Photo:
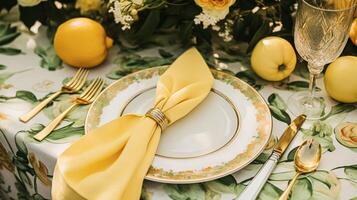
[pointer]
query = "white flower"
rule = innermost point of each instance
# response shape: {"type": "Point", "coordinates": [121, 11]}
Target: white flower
{"type": "Point", "coordinates": [124, 18]}
{"type": "Point", "coordinates": [29, 3]}
{"type": "Point", "coordinates": [206, 20]}
{"type": "Point", "coordinates": [210, 17]}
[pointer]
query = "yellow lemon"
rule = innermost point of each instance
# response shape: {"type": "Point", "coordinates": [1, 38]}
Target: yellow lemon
{"type": "Point", "coordinates": [273, 58]}
{"type": "Point", "coordinates": [353, 32]}
{"type": "Point", "coordinates": [82, 42]}
{"type": "Point", "coordinates": [340, 79]}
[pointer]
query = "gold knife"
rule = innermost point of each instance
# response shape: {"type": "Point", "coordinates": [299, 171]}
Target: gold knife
{"type": "Point", "coordinates": [252, 191]}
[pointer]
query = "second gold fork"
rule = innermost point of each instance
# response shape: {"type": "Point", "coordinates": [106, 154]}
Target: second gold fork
{"type": "Point", "coordinates": [87, 97]}
{"type": "Point", "coordinates": [72, 86]}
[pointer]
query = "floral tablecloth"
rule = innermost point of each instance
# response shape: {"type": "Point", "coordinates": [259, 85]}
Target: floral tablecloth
{"type": "Point", "coordinates": [30, 70]}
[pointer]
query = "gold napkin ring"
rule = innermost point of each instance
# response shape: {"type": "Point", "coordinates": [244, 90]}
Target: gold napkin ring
{"type": "Point", "coordinates": [159, 117]}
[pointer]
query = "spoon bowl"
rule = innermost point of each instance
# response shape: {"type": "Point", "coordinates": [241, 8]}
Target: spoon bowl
{"type": "Point", "coordinates": [307, 159]}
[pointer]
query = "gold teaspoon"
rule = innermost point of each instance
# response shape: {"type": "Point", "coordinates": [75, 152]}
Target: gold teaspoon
{"type": "Point", "coordinates": [307, 159]}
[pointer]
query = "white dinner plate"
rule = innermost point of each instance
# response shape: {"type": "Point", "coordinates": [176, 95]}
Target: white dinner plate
{"type": "Point", "coordinates": [226, 132]}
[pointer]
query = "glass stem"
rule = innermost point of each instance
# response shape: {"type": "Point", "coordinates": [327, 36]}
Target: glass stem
{"type": "Point", "coordinates": [314, 73]}
{"type": "Point", "coordinates": [312, 85]}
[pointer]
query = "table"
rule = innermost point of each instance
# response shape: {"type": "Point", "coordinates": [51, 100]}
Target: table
{"type": "Point", "coordinates": [26, 166]}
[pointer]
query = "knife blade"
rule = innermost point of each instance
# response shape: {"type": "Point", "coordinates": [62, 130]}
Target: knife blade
{"type": "Point", "coordinates": [255, 186]}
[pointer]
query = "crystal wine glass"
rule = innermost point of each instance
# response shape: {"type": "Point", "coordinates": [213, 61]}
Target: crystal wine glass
{"type": "Point", "coordinates": [320, 35]}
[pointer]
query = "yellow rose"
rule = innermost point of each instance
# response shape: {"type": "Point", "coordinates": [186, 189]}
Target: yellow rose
{"type": "Point", "coordinates": [215, 4]}
{"type": "Point", "coordinates": [40, 169]}
{"type": "Point", "coordinates": [5, 160]}
{"type": "Point", "coordinates": [212, 11]}
{"type": "Point", "coordinates": [88, 5]}
{"type": "Point", "coordinates": [28, 3]}
{"type": "Point", "coordinates": [346, 133]}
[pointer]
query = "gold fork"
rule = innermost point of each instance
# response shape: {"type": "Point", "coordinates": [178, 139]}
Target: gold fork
{"type": "Point", "coordinates": [72, 86]}
{"type": "Point", "coordinates": [87, 97]}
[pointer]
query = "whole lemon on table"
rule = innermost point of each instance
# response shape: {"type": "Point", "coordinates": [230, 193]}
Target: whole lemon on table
{"type": "Point", "coordinates": [273, 58]}
{"type": "Point", "coordinates": [341, 79]}
{"type": "Point", "coordinates": [353, 31]}
{"type": "Point", "coordinates": [82, 42]}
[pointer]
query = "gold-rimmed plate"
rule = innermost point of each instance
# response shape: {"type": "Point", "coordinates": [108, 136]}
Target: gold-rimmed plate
{"type": "Point", "coordinates": [226, 132]}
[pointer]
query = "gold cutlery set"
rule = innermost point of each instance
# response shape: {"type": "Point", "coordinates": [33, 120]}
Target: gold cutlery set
{"type": "Point", "coordinates": [72, 86]}
{"type": "Point", "coordinates": [306, 159]}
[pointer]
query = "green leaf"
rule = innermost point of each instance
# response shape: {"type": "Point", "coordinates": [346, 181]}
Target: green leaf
{"type": "Point", "coordinates": [64, 132]}
{"type": "Point", "coordinates": [339, 109]}
{"type": "Point", "coordinates": [49, 58]}
{"type": "Point", "coordinates": [301, 70]}
{"type": "Point", "coordinates": [149, 26]}
{"type": "Point", "coordinates": [280, 115]}
{"type": "Point", "coordinates": [26, 96]}
{"type": "Point", "coordinates": [225, 185]}
{"type": "Point", "coordinates": [325, 185]}
{"type": "Point", "coordinates": [301, 190]}
{"type": "Point", "coordinates": [282, 176]}
{"type": "Point", "coordinates": [186, 30]}
{"type": "Point", "coordinates": [24, 177]}
{"type": "Point", "coordinates": [145, 194]}
{"type": "Point", "coordinates": [165, 54]}
{"type": "Point", "coordinates": [263, 31]}
{"type": "Point", "coordinates": [291, 154]}
{"type": "Point", "coordinates": [227, 180]}
{"type": "Point", "coordinates": [277, 107]}
{"type": "Point", "coordinates": [21, 146]}
{"type": "Point", "coordinates": [9, 51]}
{"type": "Point", "coordinates": [354, 198]}
{"type": "Point", "coordinates": [351, 171]}
{"type": "Point", "coordinates": [251, 78]}
{"type": "Point", "coordinates": [269, 192]}
{"type": "Point", "coordinates": [8, 37]}
{"type": "Point", "coordinates": [276, 101]}
{"type": "Point", "coordinates": [262, 158]}
{"type": "Point", "coordinates": [38, 197]}
{"type": "Point", "coordinates": [2, 67]}
{"type": "Point", "coordinates": [185, 192]}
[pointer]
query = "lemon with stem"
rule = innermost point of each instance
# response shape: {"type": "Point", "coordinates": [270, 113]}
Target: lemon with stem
{"type": "Point", "coordinates": [82, 42]}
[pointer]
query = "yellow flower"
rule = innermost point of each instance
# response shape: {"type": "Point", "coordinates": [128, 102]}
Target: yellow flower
{"type": "Point", "coordinates": [215, 4]}
{"type": "Point", "coordinates": [3, 116]}
{"type": "Point", "coordinates": [88, 5]}
{"type": "Point", "coordinates": [212, 11]}
{"type": "Point", "coordinates": [5, 160]}
{"type": "Point", "coordinates": [28, 3]}
{"type": "Point", "coordinates": [347, 133]}
{"type": "Point", "coordinates": [40, 169]}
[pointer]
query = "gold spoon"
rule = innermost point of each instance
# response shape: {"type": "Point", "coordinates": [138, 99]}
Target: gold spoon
{"type": "Point", "coordinates": [307, 159]}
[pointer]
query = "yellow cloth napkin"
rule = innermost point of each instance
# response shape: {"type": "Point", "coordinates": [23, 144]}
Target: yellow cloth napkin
{"type": "Point", "coordinates": [112, 161]}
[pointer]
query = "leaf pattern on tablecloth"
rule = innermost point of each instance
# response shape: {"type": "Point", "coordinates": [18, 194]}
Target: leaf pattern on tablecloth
{"type": "Point", "coordinates": [28, 169]}
{"type": "Point", "coordinates": [49, 58]}
{"type": "Point", "coordinates": [8, 33]}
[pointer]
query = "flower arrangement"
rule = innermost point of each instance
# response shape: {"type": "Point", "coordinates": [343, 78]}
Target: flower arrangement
{"type": "Point", "coordinates": [136, 22]}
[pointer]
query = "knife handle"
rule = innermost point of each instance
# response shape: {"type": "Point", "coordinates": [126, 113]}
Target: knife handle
{"type": "Point", "coordinates": [252, 191]}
